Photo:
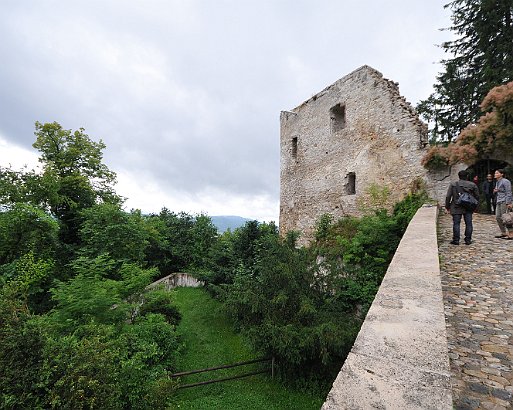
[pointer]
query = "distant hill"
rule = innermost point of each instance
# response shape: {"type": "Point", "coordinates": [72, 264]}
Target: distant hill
{"type": "Point", "coordinates": [231, 222]}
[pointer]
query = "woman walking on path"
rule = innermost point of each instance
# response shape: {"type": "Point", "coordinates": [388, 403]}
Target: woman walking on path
{"type": "Point", "coordinates": [504, 202]}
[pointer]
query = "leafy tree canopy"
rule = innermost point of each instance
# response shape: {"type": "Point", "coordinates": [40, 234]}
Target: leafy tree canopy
{"type": "Point", "coordinates": [25, 228]}
{"type": "Point", "coordinates": [106, 228]}
{"type": "Point", "coordinates": [73, 177]}
{"type": "Point", "coordinates": [304, 305]}
{"type": "Point", "coordinates": [493, 133]}
{"type": "Point", "coordinates": [481, 57]}
{"type": "Point", "coordinates": [74, 154]}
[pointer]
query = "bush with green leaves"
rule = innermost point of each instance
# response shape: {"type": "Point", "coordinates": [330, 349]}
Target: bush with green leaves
{"type": "Point", "coordinates": [25, 228]}
{"type": "Point", "coordinates": [103, 300]}
{"type": "Point", "coordinates": [305, 305]}
{"type": "Point", "coordinates": [357, 251]}
{"type": "Point", "coordinates": [106, 228]}
{"type": "Point", "coordinates": [179, 242]}
{"type": "Point", "coordinates": [281, 304]}
{"type": "Point", "coordinates": [92, 350]}
{"type": "Point", "coordinates": [107, 366]}
{"type": "Point", "coordinates": [21, 359]}
{"type": "Point", "coordinates": [233, 252]}
{"type": "Point", "coordinates": [160, 301]}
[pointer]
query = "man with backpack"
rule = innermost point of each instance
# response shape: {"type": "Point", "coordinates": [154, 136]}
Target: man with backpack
{"type": "Point", "coordinates": [461, 201]}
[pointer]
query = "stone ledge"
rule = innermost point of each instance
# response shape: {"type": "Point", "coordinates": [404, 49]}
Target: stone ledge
{"type": "Point", "coordinates": [400, 357]}
{"type": "Point", "coordinates": [175, 280]}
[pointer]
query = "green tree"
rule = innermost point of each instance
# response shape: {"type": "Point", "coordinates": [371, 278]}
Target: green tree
{"type": "Point", "coordinates": [158, 251]}
{"type": "Point", "coordinates": [83, 372]}
{"type": "Point", "coordinates": [101, 351]}
{"type": "Point", "coordinates": [179, 241]}
{"type": "Point", "coordinates": [491, 134]}
{"type": "Point", "coordinates": [64, 236]}
{"type": "Point", "coordinates": [233, 252]}
{"type": "Point", "coordinates": [74, 175]}
{"type": "Point", "coordinates": [222, 263]}
{"type": "Point", "coordinates": [170, 247]}
{"type": "Point", "coordinates": [20, 187]}
{"type": "Point", "coordinates": [25, 228]}
{"type": "Point", "coordinates": [102, 290]}
{"type": "Point", "coordinates": [106, 228]}
{"type": "Point", "coordinates": [31, 277]}
{"type": "Point", "coordinates": [247, 238]}
{"type": "Point", "coordinates": [282, 305]}
{"type": "Point", "coordinates": [304, 305]}
{"type": "Point", "coordinates": [204, 235]}
{"type": "Point", "coordinates": [101, 366]}
{"type": "Point", "coordinates": [481, 57]}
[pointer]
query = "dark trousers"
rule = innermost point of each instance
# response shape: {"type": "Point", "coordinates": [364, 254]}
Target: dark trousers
{"type": "Point", "coordinates": [490, 204]}
{"type": "Point", "coordinates": [456, 222]}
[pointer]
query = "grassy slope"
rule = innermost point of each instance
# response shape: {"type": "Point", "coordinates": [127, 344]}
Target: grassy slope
{"type": "Point", "coordinates": [210, 341]}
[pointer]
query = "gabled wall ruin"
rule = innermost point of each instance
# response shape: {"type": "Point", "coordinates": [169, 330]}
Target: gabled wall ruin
{"type": "Point", "coordinates": [357, 132]}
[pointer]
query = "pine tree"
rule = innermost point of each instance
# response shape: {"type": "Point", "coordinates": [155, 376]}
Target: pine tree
{"type": "Point", "coordinates": [482, 58]}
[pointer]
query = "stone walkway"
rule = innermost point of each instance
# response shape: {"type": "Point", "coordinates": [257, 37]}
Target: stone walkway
{"type": "Point", "coordinates": [477, 283]}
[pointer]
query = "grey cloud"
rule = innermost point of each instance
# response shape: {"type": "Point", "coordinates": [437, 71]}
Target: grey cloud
{"type": "Point", "coordinates": [188, 94]}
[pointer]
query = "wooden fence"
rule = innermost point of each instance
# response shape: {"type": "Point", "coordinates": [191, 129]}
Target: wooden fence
{"type": "Point", "coordinates": [227, 366]}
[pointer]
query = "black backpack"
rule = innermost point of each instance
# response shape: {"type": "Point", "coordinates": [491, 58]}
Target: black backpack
{"type": "Point", "coordinates": [465, 199]}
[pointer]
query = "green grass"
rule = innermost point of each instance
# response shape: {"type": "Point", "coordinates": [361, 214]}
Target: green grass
{"type": "Point", "coordinates": [210, 341]}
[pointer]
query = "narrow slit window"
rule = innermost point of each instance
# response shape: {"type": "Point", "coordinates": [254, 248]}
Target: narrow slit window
{"type": "Point", "coordinates": [338, 117]}
{"type": "Point", "coordinates": [294, 147]}
{"type": "Point", "coordinates": [351, 184]}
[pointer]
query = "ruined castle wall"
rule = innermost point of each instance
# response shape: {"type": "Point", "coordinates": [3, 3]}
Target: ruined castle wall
{"type": "Point", "coordinates": [357, 132]}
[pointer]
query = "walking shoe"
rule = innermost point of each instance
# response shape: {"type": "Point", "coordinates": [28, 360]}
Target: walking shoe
{"type": "Point", "coordinates": [454, 243]}
{"type": "Point", "coordinates": [468, 242]}
{"type": "Point", "coordinates": [501, 236]}
{"type": "Point", "coordinates": [508, 238]}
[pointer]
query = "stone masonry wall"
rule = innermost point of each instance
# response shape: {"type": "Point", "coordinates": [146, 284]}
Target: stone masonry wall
{"type": "Point", "coordinates": [400, 358]}
{"type": "Point", "coordinates": [374, 134]}
{"type": "Point", "coordinates": [175, 280]}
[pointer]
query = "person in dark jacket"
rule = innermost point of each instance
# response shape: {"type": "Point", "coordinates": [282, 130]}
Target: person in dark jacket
{"type": "Point", "coordinates": [457, 211]}
{"type": "Point", "coordinates": [487, 188]}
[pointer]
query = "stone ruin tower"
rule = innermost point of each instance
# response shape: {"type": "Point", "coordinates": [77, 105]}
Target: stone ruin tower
{"type": "Point", "coordinates": [356, 132]}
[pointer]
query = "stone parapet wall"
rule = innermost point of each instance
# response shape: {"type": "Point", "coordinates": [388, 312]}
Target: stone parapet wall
{"type": "Point", "coordinates": [400, 357]}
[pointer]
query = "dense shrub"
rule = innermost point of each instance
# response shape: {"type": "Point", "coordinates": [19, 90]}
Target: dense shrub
{"type": "Point", "coordinates": [105, 366]}
{"type": "Point", "coordinates": [91, 350]}
{"type": "Point", "coordinates": [305, 305]}
{"type": "Point", "coordinates": [160, 301]}
{"type": "Point", "coordinates": [25, 228]}
{"type": "Point", "coordinates": [235, 251]}
{"type": "Point", "coordinates": [282, 307]}
{"type": "Point", "coordinates": [21, 359]}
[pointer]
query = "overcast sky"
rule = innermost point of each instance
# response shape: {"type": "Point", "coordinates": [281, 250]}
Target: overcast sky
{"type": "Point", "coordinates": [187, 94]}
